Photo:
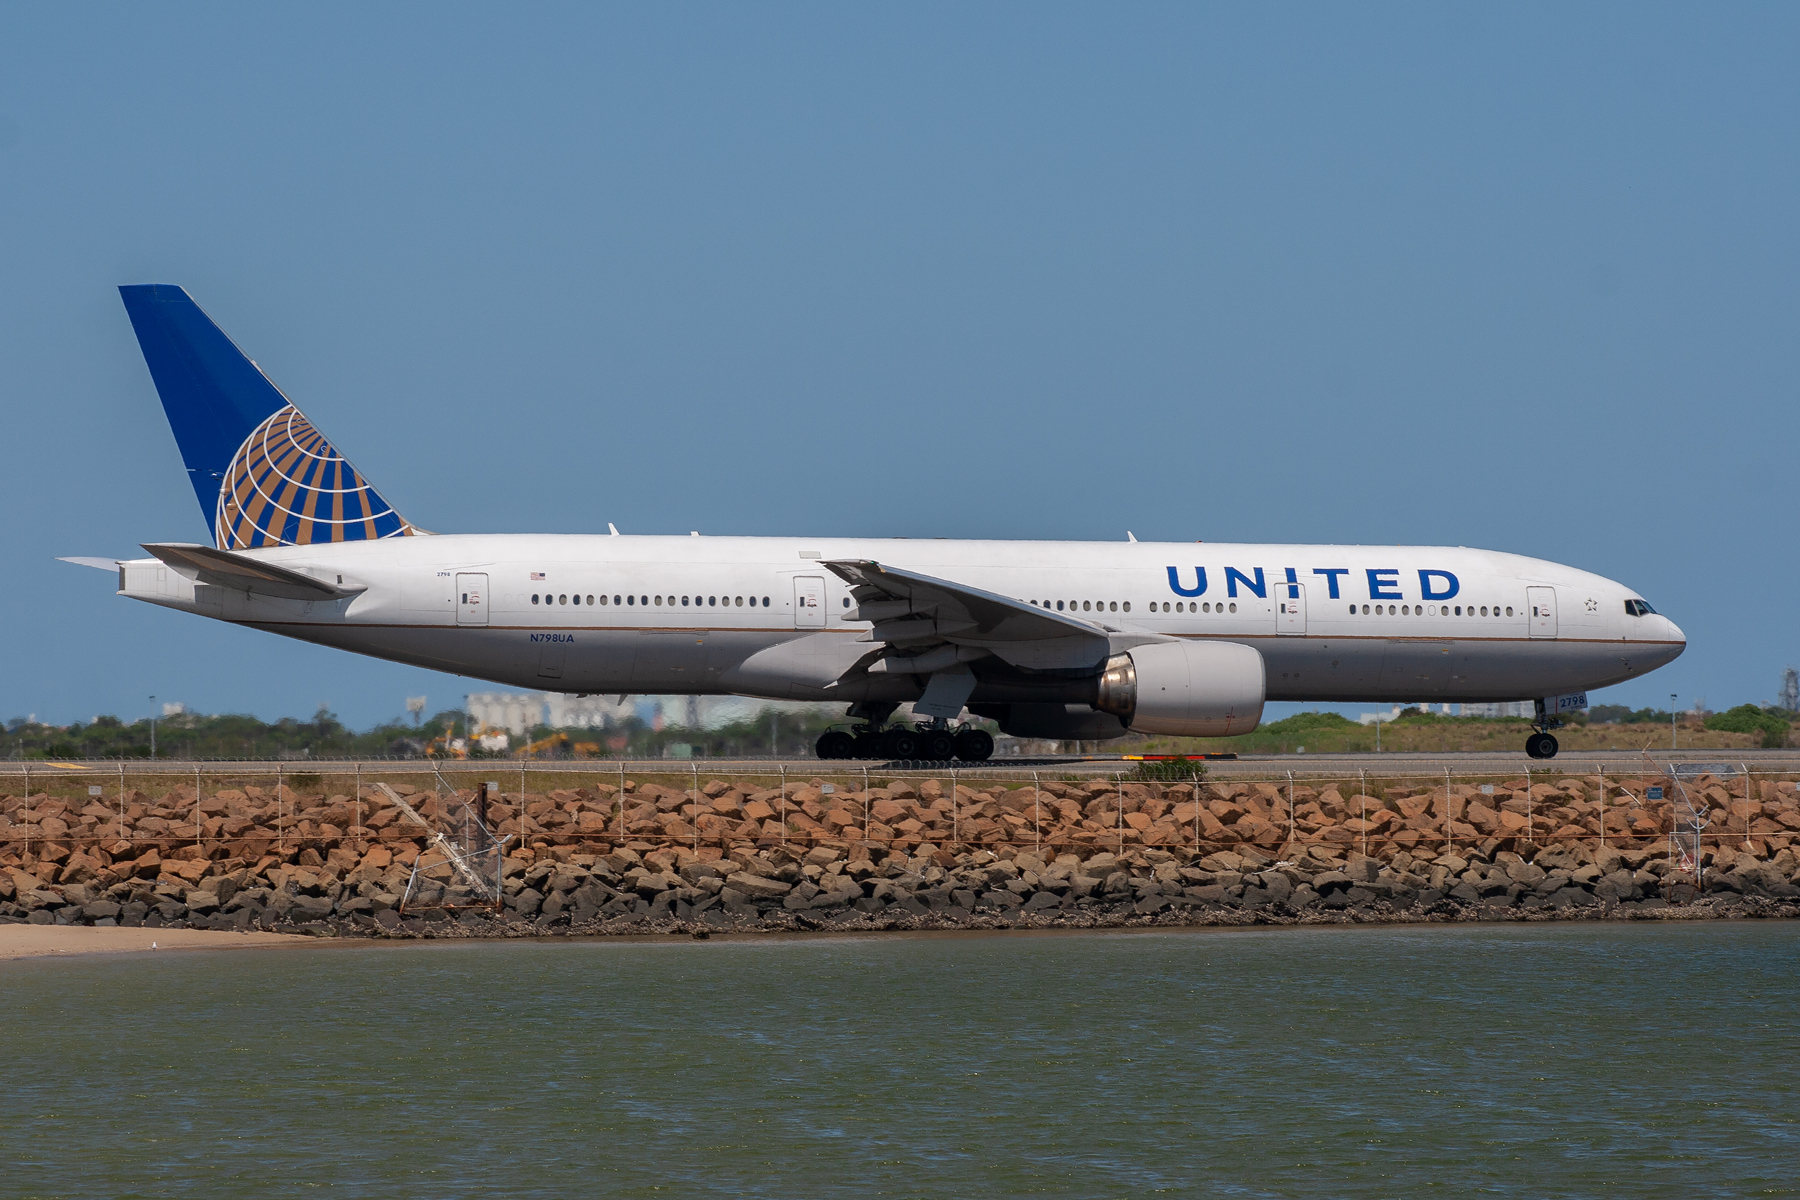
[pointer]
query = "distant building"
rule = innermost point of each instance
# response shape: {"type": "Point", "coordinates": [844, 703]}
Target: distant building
{"type": "Point", "coordinates": [517, 712]}
{"type": "Point", "coordinates": [1393, 714]}
{"type": "Point", "coordinates": [1509, 708]}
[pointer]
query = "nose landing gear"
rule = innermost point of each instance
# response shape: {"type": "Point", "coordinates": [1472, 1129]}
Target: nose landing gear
{"type": "Point", "coordinates": [1541, 744]}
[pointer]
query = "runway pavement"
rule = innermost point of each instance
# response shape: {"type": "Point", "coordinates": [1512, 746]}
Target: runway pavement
{"type": "Point", "coordinates": [1273, 766]}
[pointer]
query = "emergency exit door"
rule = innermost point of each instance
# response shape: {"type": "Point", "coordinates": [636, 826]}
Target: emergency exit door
{"type": "Point", "coordinates": [809, 602]}
{"type": "Point", "coordinates": [471, 600]}
{"type": "Point", "coordinates": [1540, 604]}
{"type": "Point", "coordinates": [1290, 607]}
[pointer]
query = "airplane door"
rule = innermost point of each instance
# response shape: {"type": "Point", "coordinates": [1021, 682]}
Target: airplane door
{"type": "Point", "coordinates": [809, 602]}
{"type": "Point", "coordinates": [1290, 607]}
{"type": "Point", "coordinates": [471, 599]}
{"type": "Point", "coordinates": [1541, 602]}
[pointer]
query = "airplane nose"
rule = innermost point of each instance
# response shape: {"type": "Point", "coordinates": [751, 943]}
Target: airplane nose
{"type": "Point", "coordinates": [1674, 635]}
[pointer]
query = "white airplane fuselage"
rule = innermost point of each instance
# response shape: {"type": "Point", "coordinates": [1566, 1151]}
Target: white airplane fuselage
{"type": "Point", "coordinates": [759, 616]}
{"type": "Point", "coordinates": [1049, 639]}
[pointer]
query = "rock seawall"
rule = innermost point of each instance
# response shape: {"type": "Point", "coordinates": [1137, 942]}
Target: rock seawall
{"type": "Point", "coordinates": [912, 854]}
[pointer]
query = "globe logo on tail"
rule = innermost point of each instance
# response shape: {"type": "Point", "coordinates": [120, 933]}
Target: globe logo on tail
{"type": "Point", "coordinates": [288, 486]}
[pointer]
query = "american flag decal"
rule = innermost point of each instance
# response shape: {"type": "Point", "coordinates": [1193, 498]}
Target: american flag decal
{"type": "Point", "coordinates": [536, 575]}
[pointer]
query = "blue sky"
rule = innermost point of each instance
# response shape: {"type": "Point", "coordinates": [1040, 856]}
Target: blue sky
{"type": "Point", "coordinates": [1511, 276]}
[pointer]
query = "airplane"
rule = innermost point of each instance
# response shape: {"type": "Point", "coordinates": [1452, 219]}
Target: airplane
{"type": "Point", "coordinates": [1057, 640]}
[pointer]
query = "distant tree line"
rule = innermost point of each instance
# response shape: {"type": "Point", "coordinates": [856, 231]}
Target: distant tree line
{"type": "Point", "coordinates": [788, 732]}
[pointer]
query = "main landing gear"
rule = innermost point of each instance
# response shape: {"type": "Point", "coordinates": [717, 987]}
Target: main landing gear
{"type": "Point", "coordinates": [1541, 744]}
{"type": "Point", "coordinates": [934, 742]}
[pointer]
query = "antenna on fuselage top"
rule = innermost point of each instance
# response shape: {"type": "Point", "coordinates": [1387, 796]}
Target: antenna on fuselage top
{"type": "Point", "coordinates": [614, 528]}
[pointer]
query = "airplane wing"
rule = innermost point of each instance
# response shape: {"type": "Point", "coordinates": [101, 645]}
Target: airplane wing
{"type": "Point", "coordinates": [242, 573]}
{"type": "Point", "coordinates": [917, 612]}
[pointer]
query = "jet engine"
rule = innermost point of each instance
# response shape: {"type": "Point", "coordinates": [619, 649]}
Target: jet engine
{"type": "Point", "coordinates": [1190, 689]}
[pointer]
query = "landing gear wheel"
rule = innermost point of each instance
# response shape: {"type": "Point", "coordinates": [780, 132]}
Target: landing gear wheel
{"type": "Point", "coordinates": [974, 745]}
{"type": "Point", "coordinates": [939, 745]}
{"type": "Point", "coordinates": [900, 744]}
{"type": "Point", "coordinates": [835, 743]}
{"type": "Point", "coordinates": [1541, 745]}
{"type": "Point", "coordinates": [866, 744]}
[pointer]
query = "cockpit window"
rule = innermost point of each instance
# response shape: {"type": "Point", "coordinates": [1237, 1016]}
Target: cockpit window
{"type": "Point", "coordinates": [1638, 608]}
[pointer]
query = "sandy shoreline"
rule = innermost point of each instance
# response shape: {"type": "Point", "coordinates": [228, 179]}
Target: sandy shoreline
{"type": "Point", "coordinates": [39, 941]}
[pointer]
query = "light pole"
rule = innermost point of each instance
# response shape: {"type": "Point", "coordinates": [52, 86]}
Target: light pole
{"type": "Point", "coordinates": [1671, 720]}
{"type": "Point", "coordinates": [153, 727]}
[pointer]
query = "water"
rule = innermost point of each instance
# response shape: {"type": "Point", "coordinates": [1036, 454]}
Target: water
{"type": "Point", "coordinates": [1639, 1060]}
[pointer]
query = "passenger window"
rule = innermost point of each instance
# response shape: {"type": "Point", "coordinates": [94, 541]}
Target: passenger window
{"type": "Point", "coordinates": [534, 597]}
{"type": "Point", "coordinates": [765, 602]}
{"type": "Point", "coordinates": [631, 599]}
{"type": "Point", "coordinates": [1059, 606]}
{"type": "Point", "coordinates": [1390, 610]}
{"type": "Point", "coordinates": [738, 602]}
{"type": "Point", "coordinates": [1509, 610]}
{"type": "Point", "coordinates": [1365, 610]}
{"type": "Point", "coordinates": [1353, 610]}
{"type": "Point", "coordinates": [1128, 606]}
{"type": "Point", "coordinates": [753, 602]}
{"type": "Point", "coordinates": [713, 600]}
{"type": "Point", "coordinates": [1234, 608]}
{"type": "Point", "coordinates": [562, 599]}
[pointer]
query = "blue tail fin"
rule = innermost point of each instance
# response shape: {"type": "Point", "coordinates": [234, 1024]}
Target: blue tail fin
{"type": "Point", "coordinates": [264, 475]}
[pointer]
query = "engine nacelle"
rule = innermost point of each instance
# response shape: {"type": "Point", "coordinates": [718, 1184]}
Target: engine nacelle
{"type": "Point", "coordinates": [1190, 689]}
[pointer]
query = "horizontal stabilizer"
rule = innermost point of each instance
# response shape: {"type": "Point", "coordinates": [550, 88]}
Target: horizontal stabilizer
{"type": "Point", "coordinates": [99, 564]}
{"type": "Point", "coordinates": [221, 568]}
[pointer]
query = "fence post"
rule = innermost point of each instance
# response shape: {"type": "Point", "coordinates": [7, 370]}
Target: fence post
{"type": "Point", "coordinates": [1037, 817]}
{"type": "Point", "coordinates": [1290, 776]}
{"type": "Point", "coordinates": [1603, 814]}
{"type": "Point", "coordinates": [696, 767]}
{"type": "Point", "coordinates": [1745, 768]}
{"type": "Point", "coordinates": [1119, 782]}
{"type": "Point", "coordinates": [783, 769]}
{"type": "Point", "coordinates": [1447, 841]}
{"type": "Point", "coordinates": [197, 809]}
{"type": "Point", "coordinates": [1530, 833]}
{"type": "Point", "coordinates": [1197, 854]}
